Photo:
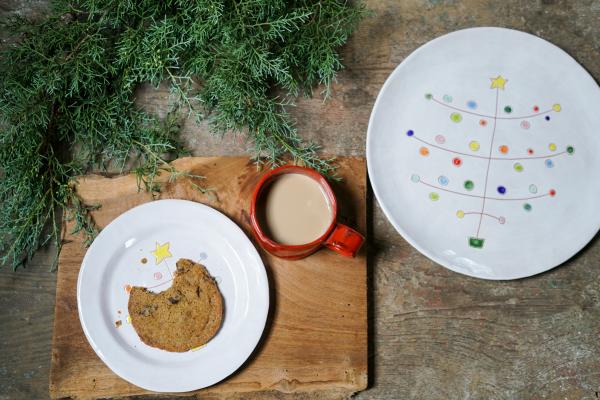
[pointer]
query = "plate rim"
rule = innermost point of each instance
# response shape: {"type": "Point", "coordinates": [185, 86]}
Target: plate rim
{"type": "Point", "coordinates": [387, 212]}
{"type": "Point", "coordinates": [262, 318]}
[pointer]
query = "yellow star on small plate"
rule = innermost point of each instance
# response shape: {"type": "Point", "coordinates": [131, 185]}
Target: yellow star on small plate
{"type": "Point", "coordinates": [161, 252]}
{"type": "Point", "coordinates": [498, 82]}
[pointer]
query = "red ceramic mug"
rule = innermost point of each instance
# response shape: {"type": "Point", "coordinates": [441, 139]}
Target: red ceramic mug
{"type": "Point", "coordinates": [337, 237]}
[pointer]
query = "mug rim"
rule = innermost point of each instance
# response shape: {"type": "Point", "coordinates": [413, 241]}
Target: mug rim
{"type": "Point", "coordinates": [286, 169]}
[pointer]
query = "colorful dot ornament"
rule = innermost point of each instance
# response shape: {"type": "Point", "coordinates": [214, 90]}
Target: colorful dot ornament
{"type": "Point", "coordinates": [570, 149]}
{"type": "Point", "coordinates": [533, 189]}
{"type": "Point", "coordinates": [518, 167]}
{"type": "Point", "coordinates": [455, 117]}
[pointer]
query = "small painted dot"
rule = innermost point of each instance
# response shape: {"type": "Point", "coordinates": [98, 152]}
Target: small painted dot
{"type": "Point", "coordinates": [570, 149]}
{"type": "Point", "coordinates": [552, 147]}
{"type": "Point", "coordinates": [157, 276]}
{"type": "Point", "coordinates": [428, 96]}
{"type": "Point", "coordinates": [482, 122]}
{"type": "Point", "coordinates": [503, 149]}
{"type": "Point", "coordinates": [457, 161]}
{"type": "Point", "coordinates": [424, 151]}
{"type": "Point", "coordinates": [527, 207]}
{"type": "Point", "coordinates": [442, 180]}
{"type": "Point", "coordinates": [530, 151]}
{"type": "Point", "coordinates": [415, 178]}
{"type": "Point", "coordinates": [501, 189]}
{"type": "Point", "coordinates": [556, 107]}
{"type": "Point", "coordinates": [474, 145]}
{"type": "Point", "coordinates": [410, 132]}
{"type": "Point", "coordinates": [525, 124]}
{"type": "Point", "coordinates": [518, 167]}
{"type": "Point", "coordinates": [472, 104]}
{"type": "Point", "coordinates": [533, 189]}
{"type": "Point", "coordinates": [547, 118]}
{"type": "Point", "coordinates": [508, 109]}
{"type": "Point", "coordinates": [440, 139]}
{"type": "Point", "coordinates": [552, 192]}
{"type": "Point", "coordinates": [433, 196]}
{"type": "Point", "coordinates": [502, 220]}
{"type": "Point", "coordinates": [460, 213]}
{"type": "Point", "coordinates": [536, 109]}
{"type": "Point", "coordinates": [447, 98]}
{"type": "Point", "coordinates": [455, 117]}
{"type": "Point", "coordinates": [469, 185]}
{"type": "Point", "coordinates": [549, 163]}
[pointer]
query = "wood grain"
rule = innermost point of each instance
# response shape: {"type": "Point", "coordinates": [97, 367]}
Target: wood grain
{"type": "Point", "coordinates": [316, 334]}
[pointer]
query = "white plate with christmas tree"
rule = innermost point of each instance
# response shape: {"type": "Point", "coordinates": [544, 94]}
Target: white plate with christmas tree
{"type": "Point", "coordinates": [483, 151]}
{"type": "Point", "coordinates": [140, 248]}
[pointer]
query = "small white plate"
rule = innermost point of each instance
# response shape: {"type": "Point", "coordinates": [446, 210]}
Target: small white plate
{"type": "Point", "coordinates": [483, 151]}
{"type": "Point", "coordinates": [140, 248]}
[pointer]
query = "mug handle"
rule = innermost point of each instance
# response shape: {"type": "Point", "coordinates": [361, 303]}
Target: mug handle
{"type": "Point", "coordinates": [344, 240]}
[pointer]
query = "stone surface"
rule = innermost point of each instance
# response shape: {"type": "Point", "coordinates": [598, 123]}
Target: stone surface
{"type": "Point", "coordinates": [434, 334]}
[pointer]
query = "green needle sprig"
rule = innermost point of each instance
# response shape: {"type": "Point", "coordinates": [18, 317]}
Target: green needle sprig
{"type": "Point", "coordinates": [67, 104]}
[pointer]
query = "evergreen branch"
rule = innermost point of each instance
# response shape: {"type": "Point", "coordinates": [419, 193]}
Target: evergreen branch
{"type": "Point", "coordinates": [67, 96]}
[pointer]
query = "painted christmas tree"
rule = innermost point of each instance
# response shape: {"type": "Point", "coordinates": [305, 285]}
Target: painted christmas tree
{"type": "Point", "coordinates": [496, 152]}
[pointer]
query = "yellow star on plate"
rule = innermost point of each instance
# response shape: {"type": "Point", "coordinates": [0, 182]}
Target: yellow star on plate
{"type": "Point", "coordinates": [161, 252]}
{"type": "Point", "coordinates": [498, 82]}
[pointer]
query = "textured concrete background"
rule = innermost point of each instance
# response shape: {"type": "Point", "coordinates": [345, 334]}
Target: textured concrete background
{"type": "Point", "coordinates": [434, 334]}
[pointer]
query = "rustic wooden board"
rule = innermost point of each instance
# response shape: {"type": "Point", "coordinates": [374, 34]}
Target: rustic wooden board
{"type": "Point", "coordinates": [316, 334]}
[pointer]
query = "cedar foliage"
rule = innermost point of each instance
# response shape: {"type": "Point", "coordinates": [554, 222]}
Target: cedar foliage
{"type": "Point", "coordinates": [67, 87]}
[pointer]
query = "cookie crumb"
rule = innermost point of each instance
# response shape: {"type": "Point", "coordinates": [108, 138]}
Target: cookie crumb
{"type": "Point", "coordinates": [144, 260]}
{"type": "Point", "coordinates": [118, 323]}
